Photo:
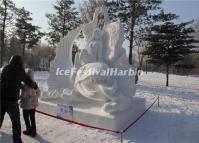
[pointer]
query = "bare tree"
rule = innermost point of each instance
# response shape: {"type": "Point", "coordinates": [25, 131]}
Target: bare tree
{"type": "Point", "coordinates": [7, 9]}
{"type": "Point", "coordinates": [87, 9]}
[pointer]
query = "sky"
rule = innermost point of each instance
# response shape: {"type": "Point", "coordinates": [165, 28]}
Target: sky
{"type": "Point", "coordinates": [186, 9]}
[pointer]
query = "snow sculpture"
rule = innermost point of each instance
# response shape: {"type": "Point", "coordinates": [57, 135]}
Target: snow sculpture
{"type": "Point", "coordinates": [109, 96]}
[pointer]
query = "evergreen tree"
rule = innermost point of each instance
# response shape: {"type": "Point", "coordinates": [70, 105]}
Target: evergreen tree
{"type": "Point", "coordinates": [14, 47]}
{"type": "Point", "coordinates": [169, 43]}
{"type": "Point", "coordinates": [28, 34]}
{"type": "Point", "coordinates": [134, 14]}
{"type": "Point", "coordinates": [65, 19]}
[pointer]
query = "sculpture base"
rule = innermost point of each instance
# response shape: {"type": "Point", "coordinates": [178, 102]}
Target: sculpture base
{"type": "Point", "coordinates": [94, 116]}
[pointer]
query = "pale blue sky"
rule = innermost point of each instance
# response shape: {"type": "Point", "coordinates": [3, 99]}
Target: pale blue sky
{"type": "Point", "coordinates": [186, 9]}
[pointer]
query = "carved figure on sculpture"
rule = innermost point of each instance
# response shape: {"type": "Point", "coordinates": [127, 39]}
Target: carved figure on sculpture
{"type": "Point", "coordinates": [94, 51]}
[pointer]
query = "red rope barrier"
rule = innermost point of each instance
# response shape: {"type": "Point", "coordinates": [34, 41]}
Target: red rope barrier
{"type": "Point", "coordinates": [123, 131]}
{"type": "Point", "coordinates": [94, 127]}
{"type": "Point", "coordinates": [78, 123]}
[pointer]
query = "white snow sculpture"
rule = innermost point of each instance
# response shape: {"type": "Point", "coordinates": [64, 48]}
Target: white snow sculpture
{"type": "Point", "coordinates": [100, 92]}
{"type": "Point", "coordinates": [104, 51]}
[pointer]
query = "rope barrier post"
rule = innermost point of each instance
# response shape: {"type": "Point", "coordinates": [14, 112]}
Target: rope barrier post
{"type": "Point", "coordinates": [158, 101]}
{"type": "Point", "coordinates": [121, 137]}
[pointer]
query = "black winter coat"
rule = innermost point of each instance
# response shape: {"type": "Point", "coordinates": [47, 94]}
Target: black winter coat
{"type": "Point", "coordinates": [11, 78]}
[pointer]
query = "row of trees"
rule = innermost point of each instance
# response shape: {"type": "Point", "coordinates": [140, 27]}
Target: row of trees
{"type": "Point", "coordinates": [16, 26]}
{"type": "Point", "coordinates": [19, 36]}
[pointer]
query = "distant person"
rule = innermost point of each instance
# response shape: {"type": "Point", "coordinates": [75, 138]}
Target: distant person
{"type": "Point", "coordinates": [29, 102]}
{"type": "Point", "coordinates": [12, 77]}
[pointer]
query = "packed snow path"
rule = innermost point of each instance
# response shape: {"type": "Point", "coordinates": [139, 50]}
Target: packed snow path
{"type": "Point", "coordinates": [175, 121]}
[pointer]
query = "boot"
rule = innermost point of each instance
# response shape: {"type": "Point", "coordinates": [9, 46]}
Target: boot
{"type": "Point", "coordinates": [27, 132]}
{"type": "Point", "coordinates": [33, 132]}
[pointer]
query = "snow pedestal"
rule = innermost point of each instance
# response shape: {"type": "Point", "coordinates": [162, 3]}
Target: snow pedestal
{"type": "Point", "coordinates": [94, 116]}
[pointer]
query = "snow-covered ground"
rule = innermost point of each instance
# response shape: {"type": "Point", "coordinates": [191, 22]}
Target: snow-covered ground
{"type": "Point", "coordinates": [175, 121]}
{"type": "Point", "coordinates": [159, 79]}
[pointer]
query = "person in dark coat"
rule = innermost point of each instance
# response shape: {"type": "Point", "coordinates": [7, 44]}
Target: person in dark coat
{"type": "Point", "coordinates": [12, 77]}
